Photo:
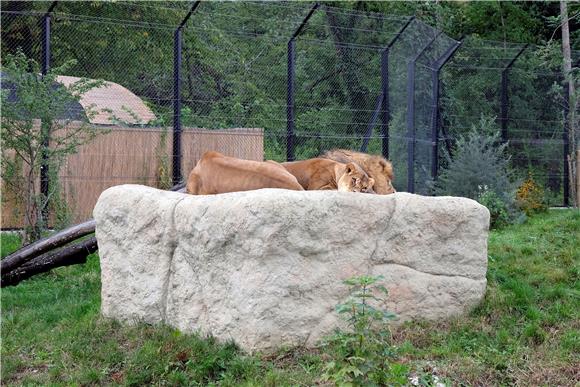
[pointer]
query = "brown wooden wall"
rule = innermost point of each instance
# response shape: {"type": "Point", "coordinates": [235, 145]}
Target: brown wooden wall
{"type": "Point", "coordinates": [137, 156]}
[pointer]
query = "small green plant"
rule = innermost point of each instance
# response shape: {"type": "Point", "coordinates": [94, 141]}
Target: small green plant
{"type": "Point", "coordinates": [498, 211]}
{"type": "Point", "coordinates": [363, 355]}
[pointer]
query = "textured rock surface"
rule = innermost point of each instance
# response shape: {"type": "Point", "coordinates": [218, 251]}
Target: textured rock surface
{"type": "Point", "coordinates": [265, 267]}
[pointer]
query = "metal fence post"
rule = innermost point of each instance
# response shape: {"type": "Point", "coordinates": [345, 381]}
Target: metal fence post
{"type": "Point", "coordinates": [386, 108]}
{"type": "Point", "coordinates": [177, 106]}
{"type": "Point", "coordinates": [411, 126]}
{"type": "Point", "coordinates": [411, 133]}
{"type": "Point", "coordinates": [44, 166]}
{"type": "Point", "coordinates": [435, 113]}
{"type": "Point", "coordinates": [504, 95]}
{"type": "Point", "coordinates": [46, 19]}
{"type": "Point", "coordinates": [290, 102]}
{"type": "Point", "coordinates": [566, 147]}
{"type": "Point", "coordinates": [290, 119]}
{"type": "Point", "coordinates": [504, 106]}
{"type": "Point", "coordinates": [386, 103]}
{"type": "Point", "coordinates": [177, 48]}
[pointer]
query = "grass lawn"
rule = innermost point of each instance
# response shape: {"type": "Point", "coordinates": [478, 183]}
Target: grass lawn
{"type": "Point", "coordinates": [526, 331]}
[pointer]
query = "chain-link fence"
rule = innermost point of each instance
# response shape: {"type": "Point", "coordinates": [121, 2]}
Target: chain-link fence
{"type": "Point", "coordinates": [283, 80]}
{"type": "Point", "coordinates": [513, 84]}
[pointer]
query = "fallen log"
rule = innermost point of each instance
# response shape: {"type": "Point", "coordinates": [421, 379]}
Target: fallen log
{"type": "Point", "coordinates": [66, 256]}
{"type": "Point", "coordinates": [29, 252]}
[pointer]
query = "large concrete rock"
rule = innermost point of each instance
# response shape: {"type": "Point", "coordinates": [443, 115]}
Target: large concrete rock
{"type": "Point", "coordinates": [265, 268]}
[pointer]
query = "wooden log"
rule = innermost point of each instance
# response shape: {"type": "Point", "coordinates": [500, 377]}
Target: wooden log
{"type": "Point", "coordinates": [29, 252]}
{"type": "Point", "coordinates": [69, 255]}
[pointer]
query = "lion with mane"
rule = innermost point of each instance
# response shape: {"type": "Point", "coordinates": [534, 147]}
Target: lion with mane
{"type": "Point", "coordinates": [377, 167]}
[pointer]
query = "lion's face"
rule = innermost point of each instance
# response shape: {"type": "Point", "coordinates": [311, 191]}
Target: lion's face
{"type": "Point", "coordinates": [382, 172]}
{"type": "Point", "coordinates": [355, 180]}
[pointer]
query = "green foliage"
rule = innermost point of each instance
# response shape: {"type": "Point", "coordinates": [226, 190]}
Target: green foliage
{"type": "Point", "coordinates": [9, 242]}
{"type": "Point", "coordinates": [480, 165]}
{"type": "Point", "coordinates": [363, 355]}
{"type": "Point", "coordinates": [499, 213]}
{"type": "Point", "coordinates": [36, 116]}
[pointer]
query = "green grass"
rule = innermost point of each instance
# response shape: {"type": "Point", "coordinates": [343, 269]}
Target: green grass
{"type": "Point", "coordinates": [525, 332]}
{"type": "Point", "coordinates": [9, 243]}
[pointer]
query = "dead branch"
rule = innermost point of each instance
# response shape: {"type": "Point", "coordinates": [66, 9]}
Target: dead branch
{"type": "Point", "coordinates": [35, 249]}
{"type": "Point", "coordinates": [69, 255]}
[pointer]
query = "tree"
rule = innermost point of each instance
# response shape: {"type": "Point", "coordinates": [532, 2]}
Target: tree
{"type": "Point", "coordinates": [34, 109]}
{"type": "Point", "coordinates": [572, 103]}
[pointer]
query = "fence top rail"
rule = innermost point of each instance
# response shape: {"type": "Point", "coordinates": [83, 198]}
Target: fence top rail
{"type": "Point", "coordinates": [191, 10]}
{"type": "Point", "coordinates": [305, 20]}
{"type": "Point", "coordinates": [51, 8]}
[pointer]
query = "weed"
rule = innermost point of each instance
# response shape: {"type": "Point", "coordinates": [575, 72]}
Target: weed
{"type": "Point", "coordinates": [363, 355]}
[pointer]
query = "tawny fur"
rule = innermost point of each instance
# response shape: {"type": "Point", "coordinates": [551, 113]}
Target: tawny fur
{"type": "Point", "coordinates": [377, 167]}
{"type": "Point", "coordinates": [324, 174]}
{"type": "Point", "coordinates": [216, 173]}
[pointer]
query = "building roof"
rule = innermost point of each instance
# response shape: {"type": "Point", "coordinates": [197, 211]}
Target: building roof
{"type": "Point", "coordinates": [112, 103]}
{"type": "Point", "coordinates": [109, 104]}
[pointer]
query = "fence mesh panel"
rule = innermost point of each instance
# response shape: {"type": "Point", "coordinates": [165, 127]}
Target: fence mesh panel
{"type": "Point", "coordinates": [234, 89]}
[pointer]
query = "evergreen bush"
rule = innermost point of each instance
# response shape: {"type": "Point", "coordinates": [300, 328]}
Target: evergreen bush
{"type": "Point", "coordinates": [480, 160]}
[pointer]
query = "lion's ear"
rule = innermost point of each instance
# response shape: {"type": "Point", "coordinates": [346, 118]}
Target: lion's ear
{"type": "Point", "coordinates": [350, 168]}
{"type": "Point", "coordinates": [387, 167]}
{"type": "Point", "coordinates": [371, 182]}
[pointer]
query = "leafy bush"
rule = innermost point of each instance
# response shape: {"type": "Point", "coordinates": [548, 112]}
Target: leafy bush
{"type": "Point", "coordinates": [499, 213]}
{"type": "Point", "coordinates": [480, 161]}
{"type": "Point", "coordinates": [530, 197]}
{"type": "Point", "coordinates": [363, 355]}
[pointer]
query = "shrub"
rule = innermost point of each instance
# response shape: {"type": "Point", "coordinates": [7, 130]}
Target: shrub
{"type": "Point", "coordinates": [480, 161]}
{"type": "Point", "coordinates": [530, 197]}
{"type": "Point", "coordinates": [498, 211]}
{"type": "Point", "coordinates": [363, 355]}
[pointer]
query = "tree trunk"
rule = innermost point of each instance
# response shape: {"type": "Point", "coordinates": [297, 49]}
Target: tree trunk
{"type": "Point", "coordinates": [572, 103]}
{"type": "Point", "coordinates": [27, 253]}
{"type": "Point", "coordinates": [69, 255]}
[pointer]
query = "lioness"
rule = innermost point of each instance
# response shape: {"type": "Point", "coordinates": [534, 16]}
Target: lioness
{"type": "Point", "coordinates": [216, 173]}
{"type": "Point", "coordinates": [377, 167]}
{"type": "Point", "coordinates": [324, 174]}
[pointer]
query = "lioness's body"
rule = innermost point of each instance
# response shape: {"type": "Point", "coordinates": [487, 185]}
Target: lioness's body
{"type": "Point", "coordinates": [377, 167]}
{"type": "Point", "coordinates": [324, 174]}
{"type": "Point", "coordinates": [216, 173]}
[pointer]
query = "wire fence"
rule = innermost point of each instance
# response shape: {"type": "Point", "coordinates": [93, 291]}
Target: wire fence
{"type": "Point", "coordinates": [309, 79]}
